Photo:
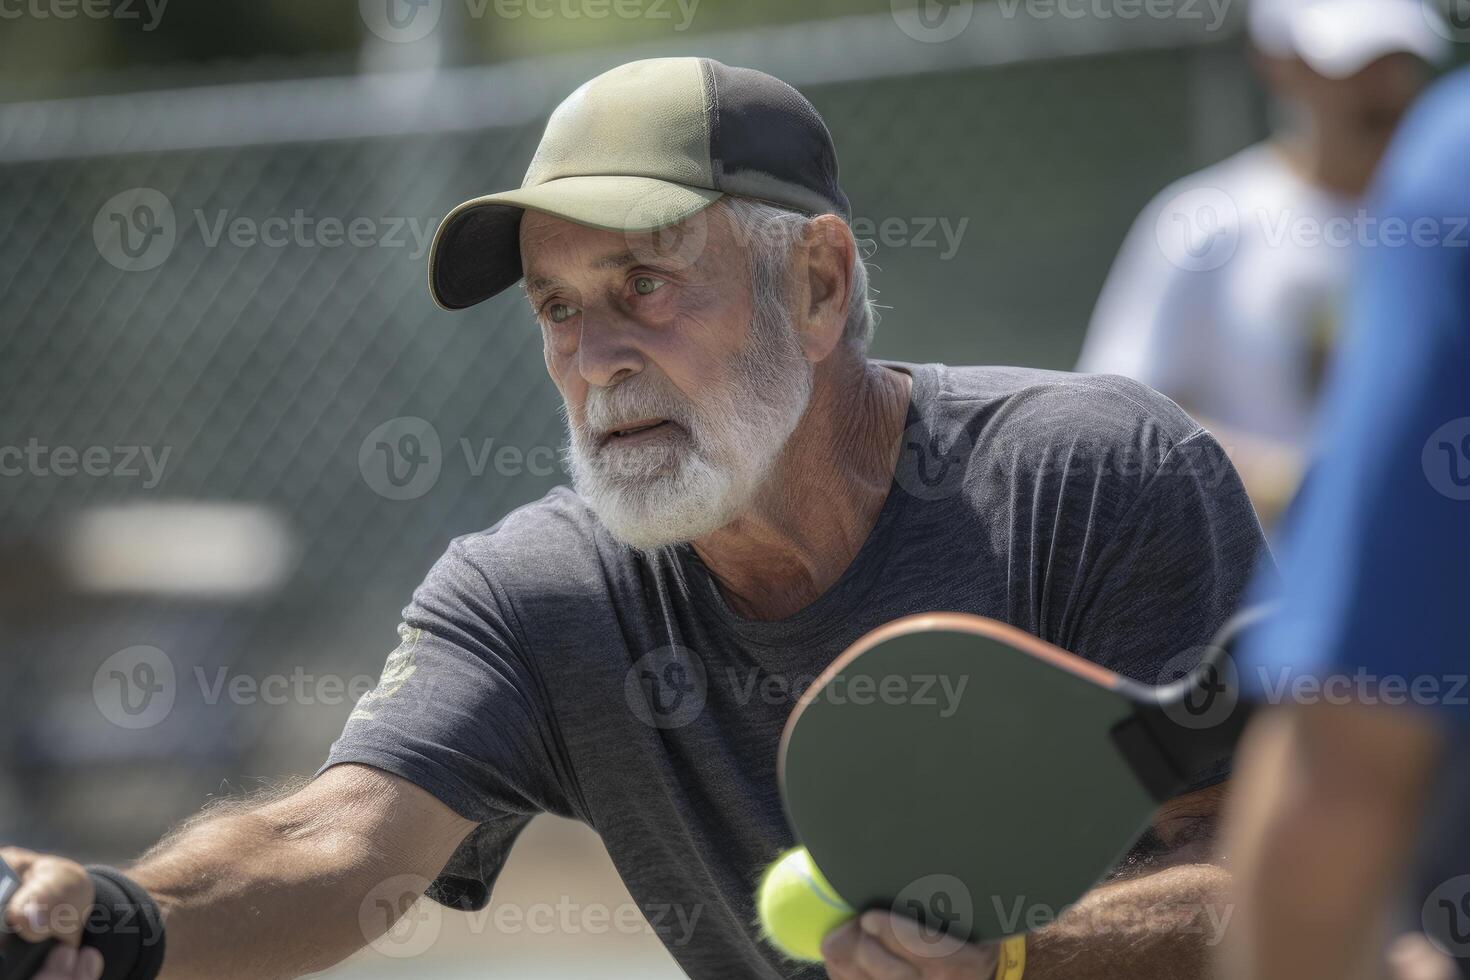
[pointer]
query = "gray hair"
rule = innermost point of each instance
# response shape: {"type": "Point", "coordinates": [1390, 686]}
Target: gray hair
{"type": "Point", "coordinates": [770, 233]}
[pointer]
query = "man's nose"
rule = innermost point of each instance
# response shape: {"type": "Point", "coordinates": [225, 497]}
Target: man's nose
{"type": "Point", "coordinates": [606, 353]}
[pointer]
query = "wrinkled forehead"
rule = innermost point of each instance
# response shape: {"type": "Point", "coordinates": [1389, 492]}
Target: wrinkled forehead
{"type": "Point", "coordinates": [546, 238]}
{"type": "Point", "coordinates": [553, 246]}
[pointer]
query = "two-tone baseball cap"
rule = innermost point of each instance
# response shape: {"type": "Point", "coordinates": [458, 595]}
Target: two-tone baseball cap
{"type": "Point", "coordinates": [1338, 38]}
{"type": "Point", "coordinates": [643, 147]}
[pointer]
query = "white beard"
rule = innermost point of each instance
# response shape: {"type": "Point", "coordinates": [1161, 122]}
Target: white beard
{"type": "Point", "coordinates": [693, 480]}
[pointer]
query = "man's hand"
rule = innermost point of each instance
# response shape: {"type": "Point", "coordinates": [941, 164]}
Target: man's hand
{"type": "Point", "coordinates": [53, 901]}
{"type": "Point", "coordinates": [1160, 915]}
{"type": "Point", "coordinates": [883, 946]}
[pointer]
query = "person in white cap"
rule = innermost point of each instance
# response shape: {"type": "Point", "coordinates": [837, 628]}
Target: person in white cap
{"type": "Point", "coordinates": [1225, 294]}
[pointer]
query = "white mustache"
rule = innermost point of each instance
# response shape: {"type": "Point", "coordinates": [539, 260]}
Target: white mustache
{"type": "Point", "coordinates": [608, 409]}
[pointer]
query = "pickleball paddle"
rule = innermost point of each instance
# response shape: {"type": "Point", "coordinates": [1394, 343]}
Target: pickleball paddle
{"type": "Point", "coordinates": [19, 960]}
{"type": "Point", "coordinates": [969, 775]}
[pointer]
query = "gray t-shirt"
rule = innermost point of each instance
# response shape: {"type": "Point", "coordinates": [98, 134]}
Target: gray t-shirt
{"type": "Point", "coordinates": [547, 668]}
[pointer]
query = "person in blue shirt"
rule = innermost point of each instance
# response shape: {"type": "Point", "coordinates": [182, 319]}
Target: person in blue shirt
{"type": "Point", "coordinates": [1364, 666]}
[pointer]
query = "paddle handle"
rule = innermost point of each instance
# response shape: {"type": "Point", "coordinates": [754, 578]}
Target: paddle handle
{"type": "Point", "coordinates": [19, 960]}
{"type": "Point", "coordinates": [1193, 724]}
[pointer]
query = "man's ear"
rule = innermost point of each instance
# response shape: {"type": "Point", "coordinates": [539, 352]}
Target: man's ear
{"type": "Point", "coordinates": [823, 282]}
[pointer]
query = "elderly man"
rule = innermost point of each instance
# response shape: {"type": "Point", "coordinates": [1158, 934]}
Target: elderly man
{"type": "Point", "coordinates": [752, 494]}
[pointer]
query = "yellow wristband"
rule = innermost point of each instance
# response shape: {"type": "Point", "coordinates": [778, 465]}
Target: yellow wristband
{"type": "Point", "coordinates": [1012, 958]}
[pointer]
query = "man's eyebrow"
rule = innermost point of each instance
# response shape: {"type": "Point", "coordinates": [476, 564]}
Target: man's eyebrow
{"type": "Point", "coordinates": [616, 260]}
{"type": "Point", "coordinates": [539, 285]}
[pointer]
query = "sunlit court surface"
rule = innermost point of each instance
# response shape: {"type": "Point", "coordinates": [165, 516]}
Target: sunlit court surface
{"type": "Point", "coordinates": [864, 489]}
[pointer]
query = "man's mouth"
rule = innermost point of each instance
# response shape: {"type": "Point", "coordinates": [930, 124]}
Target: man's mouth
{"type": "Point", "coordinates": [636, 431]}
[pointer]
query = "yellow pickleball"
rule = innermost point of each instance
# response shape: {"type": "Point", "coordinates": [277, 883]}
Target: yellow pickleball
{"type": "Point", "coordinates": [797, 907]}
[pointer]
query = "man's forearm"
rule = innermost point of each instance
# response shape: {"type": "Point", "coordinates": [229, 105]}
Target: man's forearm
{"type": "Point", "coordinates": [240, 899]}
{"type": "Point", "coordinates": [294, 886]}
{"type": "Point", "coordinates": [1162, 925]}
{"type": "Point", "coordinates": [1330, 797]}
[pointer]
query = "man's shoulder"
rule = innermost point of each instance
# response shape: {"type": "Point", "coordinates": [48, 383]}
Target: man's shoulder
{"type": "Point", "coordinates": [1219, 196]}
{"type": "Point", "coordinates": [551, 545]}
{"type": "Point", "coordinates": [1025, 428]}
{"type": "Point", "coordinates": [1035, 404]}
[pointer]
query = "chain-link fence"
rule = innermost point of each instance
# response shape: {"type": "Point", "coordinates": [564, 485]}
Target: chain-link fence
{"type": "Point", "coordinates": [218, 297]}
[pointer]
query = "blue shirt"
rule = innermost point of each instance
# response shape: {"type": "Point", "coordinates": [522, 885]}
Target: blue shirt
{"type": "Point", "coordinates": [1376, 556]}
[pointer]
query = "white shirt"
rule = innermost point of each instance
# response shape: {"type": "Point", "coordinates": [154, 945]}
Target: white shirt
{"type": "Point", "coordinates": [1226, 294]}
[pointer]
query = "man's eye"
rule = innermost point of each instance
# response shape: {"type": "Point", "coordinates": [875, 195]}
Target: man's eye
{"type": "Point", "coordinates": [643, 285]}
{"type": "Point", "coordinates": [559, 312]}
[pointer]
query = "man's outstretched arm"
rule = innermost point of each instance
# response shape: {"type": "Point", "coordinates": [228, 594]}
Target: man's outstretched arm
{"type": "Point", "coordinates": [274, 888]}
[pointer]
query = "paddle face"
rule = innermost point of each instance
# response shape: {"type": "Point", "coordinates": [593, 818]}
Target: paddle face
{"type": "Point", "coordinates": [963, 773]}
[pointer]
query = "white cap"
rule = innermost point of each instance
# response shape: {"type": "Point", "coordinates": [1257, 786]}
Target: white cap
{"type": "Point", "coordinates": [1338, 38]}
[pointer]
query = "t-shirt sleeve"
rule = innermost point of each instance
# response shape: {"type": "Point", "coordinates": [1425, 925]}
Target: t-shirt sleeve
{"type": "Point", "coordinates": [1176, 563]}
{"type": "Point", "coordinates": [1165, 565]}
{"type": "Point", "coordinates": [459, 712]}
{"type": "Point", "coordinates": [1147, 323]}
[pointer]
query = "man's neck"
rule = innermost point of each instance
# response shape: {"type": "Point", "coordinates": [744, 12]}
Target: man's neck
{"type": "Point", "coordinates": [1335, 162]}
{"type": "Point", "coordinates": [823, 497]}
